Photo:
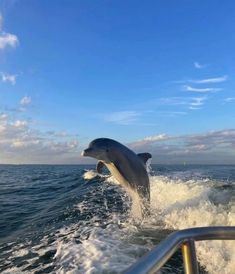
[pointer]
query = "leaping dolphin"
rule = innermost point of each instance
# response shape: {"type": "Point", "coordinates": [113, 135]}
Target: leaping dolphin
{"type": "Point", "coordinates": [126, 166]}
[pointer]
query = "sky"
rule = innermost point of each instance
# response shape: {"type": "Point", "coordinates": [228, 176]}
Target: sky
{"type": "Point", "coordinates": [157, 76]}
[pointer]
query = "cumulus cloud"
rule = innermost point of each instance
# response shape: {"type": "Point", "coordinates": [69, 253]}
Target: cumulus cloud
{"type": "Point", "coordinates": [122, 117]}
{"type": "Point", "coordinates": [19, 123]}
{"type": "Point", "coordinates": [149, 140]}
{"type": "Point", "coordinates": [3, 116]}
{"type": "Point", "coordinates": [11, 78]}
{"type": "Point", "coordinates": [20, 143]}
{"type": "Point", "coordinates": [216, 147]}
{"type": "Point", "coordinates": [8, 39]}
{"type": "Point", "coordinates": [155, 138]}
{"type": "Point", "coordinates": [212, 137]}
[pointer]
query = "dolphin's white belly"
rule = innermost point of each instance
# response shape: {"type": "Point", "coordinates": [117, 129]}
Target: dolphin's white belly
{"type": "Point", "coordinates": [137, 209]}
{"type": "Point", "coordinates": [117, 175]}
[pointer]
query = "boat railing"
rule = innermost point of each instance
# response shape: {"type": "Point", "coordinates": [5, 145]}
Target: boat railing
{"type": "Point", "coordinates": [185, 239]}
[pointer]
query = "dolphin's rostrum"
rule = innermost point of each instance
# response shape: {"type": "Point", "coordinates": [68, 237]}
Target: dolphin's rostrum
{"type": "Point", "coordinates": [126, 166]}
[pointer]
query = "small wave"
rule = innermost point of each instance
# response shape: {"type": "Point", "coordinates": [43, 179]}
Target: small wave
{"type": "Point", "coordinates": [107, 238]}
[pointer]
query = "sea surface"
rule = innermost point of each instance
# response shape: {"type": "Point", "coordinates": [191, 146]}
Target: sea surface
{"type": "Point", "coordinates": [69, 219]}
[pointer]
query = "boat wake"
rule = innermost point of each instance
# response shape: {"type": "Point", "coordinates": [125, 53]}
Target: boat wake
{"type": "Point", "coordinates": [109, 238]}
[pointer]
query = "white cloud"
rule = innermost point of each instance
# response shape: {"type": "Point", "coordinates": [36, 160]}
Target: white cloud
{"type": "Point", "coordinates": [210, 140]}
{"type": "Point", "coordinates": [122, 117]}
{"type": "Point", "coordinates": [213, 80]}
{"type": "Point", "coordinates": [197, 102]}
{"type": "Point", "coordinates": [63, 147]}
{"type": "Point", "coordinates": [210, 80]}
{"type": "Point", "coordinates": [25, 101]}
{"type": "Point", "coordinates": [189, 102]}
{"type": "Point", "coordinates": [229, 99]}
{"type": "Point", "coordinates": [11, 78]}
{"type": "Point", "coordinates": [149, 140]}
{"type": "Point", "coordinates": [8, 39]}
{"type": "Point", "coordinates": [172, 113]}
{"type": "Point", "coordinates": [198, 65]}
{"type": "Point", "coordinates": [19, 123]}
{"type": "Point", "coordinates": [20, 143]}
{"type": "Point", "coordinates": [210, 147]}
{"type": "Point", "coordinates": [194, 108]}
{"type": "Point", "coordinates": [155, 138]}
{"type": "Point", "coordinates": [57, 134]}
{"type": "Point", "coordinates": [173, 101]}
{"type": "Point", "coordinates": [202, 90]}
{"type": "Point", "coordinates": [3, 116]}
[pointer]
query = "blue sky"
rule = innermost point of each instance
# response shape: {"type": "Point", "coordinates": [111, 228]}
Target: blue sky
{"type": "Point", "coordinates": [155, 75]}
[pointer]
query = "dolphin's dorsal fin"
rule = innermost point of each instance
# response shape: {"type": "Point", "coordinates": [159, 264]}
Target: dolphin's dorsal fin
{"type": "Point", "coordinates": [144, 156]}
{"type": "Point", "coordinates": [99, 167]}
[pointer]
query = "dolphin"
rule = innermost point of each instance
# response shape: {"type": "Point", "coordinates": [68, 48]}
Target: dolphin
{"type": "Point", "coordinates": [125, 165]}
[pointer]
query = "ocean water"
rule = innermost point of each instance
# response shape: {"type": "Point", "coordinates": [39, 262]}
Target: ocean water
{"type": "Point", "coordinates": [68, 219]}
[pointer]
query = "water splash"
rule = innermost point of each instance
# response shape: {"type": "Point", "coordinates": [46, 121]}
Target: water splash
{"type": "Point", "coordinates": [107, 239]}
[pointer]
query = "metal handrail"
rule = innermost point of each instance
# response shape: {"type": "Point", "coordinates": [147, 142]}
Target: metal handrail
{"type": "Point", "coordinates": [157, 257]}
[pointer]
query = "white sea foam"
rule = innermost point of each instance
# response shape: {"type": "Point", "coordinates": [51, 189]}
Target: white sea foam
{"type": "Point", "coordinates": [89, 174]}
{"type": "Point", "coordinates": [112, 244]}
{"type": "Point", "coordinates": [104, 250]}
{"type": "Point", "coordinates": [182, 205]}
{"type": "Point", "coordinates": [20, 252]}
{"type": "Point", "coordinates": [175, 204]}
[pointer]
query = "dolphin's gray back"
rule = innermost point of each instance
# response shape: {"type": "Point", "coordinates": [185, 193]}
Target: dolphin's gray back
{"type": "Point", "coordinates": [132, 169]}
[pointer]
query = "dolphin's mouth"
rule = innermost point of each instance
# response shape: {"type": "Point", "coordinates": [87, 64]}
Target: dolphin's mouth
{"type": "Point", "coordinates": [86, 152]}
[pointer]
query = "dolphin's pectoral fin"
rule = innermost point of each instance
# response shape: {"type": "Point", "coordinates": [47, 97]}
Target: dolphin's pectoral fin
{"type": "Point", "coordinates": [99, 166]}
{"type": "Point", "coordinates": [144, 156]}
